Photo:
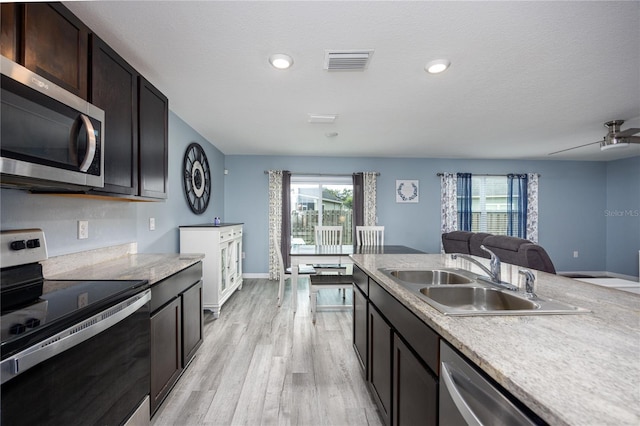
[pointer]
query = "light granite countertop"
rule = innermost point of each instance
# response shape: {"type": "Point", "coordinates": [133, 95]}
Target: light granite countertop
{"type": "Point", "coordinates": [569, 369]}
{"type": "Point", "coordinates": [118, 263]}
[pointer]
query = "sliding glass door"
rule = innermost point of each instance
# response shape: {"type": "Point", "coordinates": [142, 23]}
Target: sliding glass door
{"type": "Point", "coordinates": [321, 200]}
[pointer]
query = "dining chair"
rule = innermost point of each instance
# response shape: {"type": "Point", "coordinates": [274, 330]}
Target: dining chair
{"type": "Point", "coordinates": [329, 236]}
{"type": "Point", "coordinates": [319, 282]}
{"type": "Point", "coordinates": [370, 235]}
{"type": "Point", "coordinates": [282, 272]}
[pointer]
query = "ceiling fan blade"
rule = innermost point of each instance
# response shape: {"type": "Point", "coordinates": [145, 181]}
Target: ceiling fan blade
{"type": "Point", "coordinates": [627, 132]}
{"type": "Point", "coordinates": [575, 147]}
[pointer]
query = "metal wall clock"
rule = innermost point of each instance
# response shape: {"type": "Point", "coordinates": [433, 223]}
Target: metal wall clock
{"type": "Point", "coordinates": [197, 178]}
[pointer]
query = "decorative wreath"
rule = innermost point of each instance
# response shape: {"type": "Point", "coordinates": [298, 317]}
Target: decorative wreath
{"type": "Point", "coordinates": [410, 197]}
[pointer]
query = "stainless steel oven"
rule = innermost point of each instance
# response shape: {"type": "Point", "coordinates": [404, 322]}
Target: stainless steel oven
{"type": "Point", "coordinates": [50, 137]}
{"type": "Point", "coordinates": [73, 352]}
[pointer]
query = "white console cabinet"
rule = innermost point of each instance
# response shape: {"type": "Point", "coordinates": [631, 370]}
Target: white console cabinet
{"type": "Point", "coordinates": [222, 265]}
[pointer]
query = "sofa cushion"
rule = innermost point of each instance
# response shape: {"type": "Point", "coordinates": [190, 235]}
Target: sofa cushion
{"type": "Point", "coordinates": [505, 242]}
{"type": "Point", "coordinates": [477, 239]}
{"type": "Point", "coordinates": [456, 241]}
{"type": "Point", "coordinates": [535, 257]}
{"type": "Point", "coordinates": [506, 248]}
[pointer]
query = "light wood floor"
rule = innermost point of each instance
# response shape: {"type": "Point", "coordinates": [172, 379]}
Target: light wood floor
{"type": "Point", "coordinates": [260, 364]}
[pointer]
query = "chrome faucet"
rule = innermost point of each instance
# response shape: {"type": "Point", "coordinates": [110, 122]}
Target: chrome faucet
{"type": "Point", "coordinates": [529, 280]}
{"type": "Point", "coordinates": [494, 273]}
{"type": "Point", "coordinates": [494, 263]}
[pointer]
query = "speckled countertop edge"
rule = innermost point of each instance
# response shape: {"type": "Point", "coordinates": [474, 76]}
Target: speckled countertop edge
{"type": "Point", "coordinates": [569, 369]}
{"type": "Point", "coordinates": [118, 264]}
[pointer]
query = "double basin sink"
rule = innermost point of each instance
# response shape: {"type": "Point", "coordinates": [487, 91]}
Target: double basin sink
{"type": "Point", "coordinates": [460, 292]}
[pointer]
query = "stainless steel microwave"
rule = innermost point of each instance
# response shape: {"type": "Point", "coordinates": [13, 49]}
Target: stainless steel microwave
{"type": "Point", "coordinates": [49, 137]}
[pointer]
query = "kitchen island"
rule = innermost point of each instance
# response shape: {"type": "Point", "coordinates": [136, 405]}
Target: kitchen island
{"type": "Point", "coordinates": [579, 369]}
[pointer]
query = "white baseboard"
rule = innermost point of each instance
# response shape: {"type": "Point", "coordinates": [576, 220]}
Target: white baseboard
{"type": "Point", "coordinates": [256, 275]}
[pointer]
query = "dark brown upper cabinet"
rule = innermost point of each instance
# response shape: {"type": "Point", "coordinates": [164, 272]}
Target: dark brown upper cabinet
{"type": "Point", "coordinates": [8, 31]}
{"type": "Point", "coordinates": [153, 122]}
{"type": "Point", "coordinates": [55, 45]}
{"type": "Point", "coordinates": [52, 42]}
{"type": "Point", "coordinates": [114, 88]}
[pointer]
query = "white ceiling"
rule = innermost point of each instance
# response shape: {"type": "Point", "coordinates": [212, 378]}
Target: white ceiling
{"type": "Point", "coordinates": [527, 78]}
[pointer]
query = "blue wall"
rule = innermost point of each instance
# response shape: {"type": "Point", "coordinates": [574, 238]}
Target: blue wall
{"type": "Point", "coordinates": [622, 215]}
{"type": "Point", "coordinates": [118, 222]}
{"type": "Point", "coordinates": [573, 197]}
{"type": "Point", "coordinates": [579, 205]}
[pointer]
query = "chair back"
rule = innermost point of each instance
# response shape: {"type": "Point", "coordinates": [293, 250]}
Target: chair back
{"type": "Point", "coordinates": [329, 235]}
{"type": "Point", "coordinates": [370, 235]}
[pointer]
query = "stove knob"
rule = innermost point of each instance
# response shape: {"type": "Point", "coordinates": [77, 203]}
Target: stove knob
{"type": "Point", "coordinates": [18, 245]}
{"type": "Point", "coordinates": [32, 322]}
{"type": "Point", "coordinates": [17, 329]}
{"type": "Point", "coordinates": [35, 243]}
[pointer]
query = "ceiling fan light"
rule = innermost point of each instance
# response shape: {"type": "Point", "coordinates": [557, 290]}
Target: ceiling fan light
{"type": "Point", "coordinates": [281, 61]}
{"type": "Point", "coordinates": [615, 143]}
{"type": "Point", "coordinates": [437, 66]}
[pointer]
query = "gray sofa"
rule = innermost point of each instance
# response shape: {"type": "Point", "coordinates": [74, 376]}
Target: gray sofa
{"type": "Point", "coordinates": [516, 251]}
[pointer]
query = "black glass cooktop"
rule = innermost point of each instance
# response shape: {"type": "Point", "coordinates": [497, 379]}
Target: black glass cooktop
{"type": "Point", "coordinates": [61, 305]}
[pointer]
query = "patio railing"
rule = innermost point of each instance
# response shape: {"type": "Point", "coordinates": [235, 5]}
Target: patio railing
{"type": "Point", "coordinates": [303, 224]}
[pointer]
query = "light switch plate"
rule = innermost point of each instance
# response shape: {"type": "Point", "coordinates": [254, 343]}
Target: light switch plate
{"type": "Point", "coordinates": [152, 224]}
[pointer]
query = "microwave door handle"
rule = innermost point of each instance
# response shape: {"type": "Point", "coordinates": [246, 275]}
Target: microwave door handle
{"type": "Point", "coordinates": [91, 137]}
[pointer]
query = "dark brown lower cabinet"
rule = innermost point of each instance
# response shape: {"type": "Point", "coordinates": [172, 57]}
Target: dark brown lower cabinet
{"type": "Point", "coordinates": [402, 357]}
{"type": "Point", "coordinates": [166, 351]}
{"type": "Point", "coordinates": [415, 389]}
{"type": "Point", "coordinates": [380, 334]}
{"type": "Point", "coordinates": [360, 310]}
{"type": "Point", "coordinates": [176, 329]}
{"type": "Point", "coordinates": [192, 322]}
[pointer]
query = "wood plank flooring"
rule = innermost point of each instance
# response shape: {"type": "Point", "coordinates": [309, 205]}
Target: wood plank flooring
{"type": "Point", "coordinates": [263, 365]}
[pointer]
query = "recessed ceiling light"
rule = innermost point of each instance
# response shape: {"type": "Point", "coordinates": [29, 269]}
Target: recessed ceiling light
{"type": "Point", "coordinates": [322, 118]}
{"type": "Point", "coordinates": [281, 61]}
{"type": "Point", "coordinates": [437, 66]}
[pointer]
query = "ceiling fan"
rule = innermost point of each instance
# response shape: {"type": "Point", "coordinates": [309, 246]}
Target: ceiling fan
{"type": "Point", "coordinates": [615, 138]}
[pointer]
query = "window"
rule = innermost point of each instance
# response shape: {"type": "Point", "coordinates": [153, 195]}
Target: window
{"type": "Point", "coordinates": [490, 205]}
{"type": "Point", "coordinates": [321, 200]}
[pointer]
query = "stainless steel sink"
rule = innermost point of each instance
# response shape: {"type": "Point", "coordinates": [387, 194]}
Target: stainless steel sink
{"type": "Point", "coordinates": [431, 277]}
{"type": "Point", "coordinates": [462, 293]}
{"type": "Point", "coordinates": [478, 299]}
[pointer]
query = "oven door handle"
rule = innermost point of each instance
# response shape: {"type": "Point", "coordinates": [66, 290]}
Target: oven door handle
{"type": "Point", "coordinates": [72, 336]}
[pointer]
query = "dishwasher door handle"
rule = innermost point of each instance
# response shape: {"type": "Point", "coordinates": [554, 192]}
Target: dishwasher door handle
{"type": "Point", "coordinates": [463, 408]}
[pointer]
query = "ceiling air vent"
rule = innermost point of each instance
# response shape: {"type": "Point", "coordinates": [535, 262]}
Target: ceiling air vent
{"type": "Point", "coordinates": [347, 60]}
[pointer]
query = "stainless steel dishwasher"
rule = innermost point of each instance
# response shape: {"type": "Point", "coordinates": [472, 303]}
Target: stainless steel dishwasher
{"type": "Point", "coordinates": [468, 398]}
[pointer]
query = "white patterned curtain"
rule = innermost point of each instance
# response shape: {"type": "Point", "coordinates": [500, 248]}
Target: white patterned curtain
{"type": "Point", "coordinates": [369, 189]}
{"type": "Point", "coordinates": [532, 207]}
{"type": "Point", "coordinates": [275, 219]}
{"type": "Point", "coordinates": [448, 202]}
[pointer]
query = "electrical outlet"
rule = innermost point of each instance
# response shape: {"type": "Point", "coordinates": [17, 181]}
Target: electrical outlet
{"type": "Point", "coordinates": [83, 229]}
{"type": "Point", "coordinates": [575, 254]}
{"type": "Point", "coordinates": [152, 224]}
